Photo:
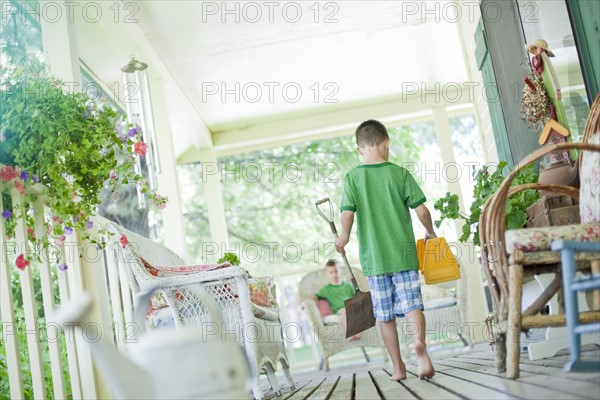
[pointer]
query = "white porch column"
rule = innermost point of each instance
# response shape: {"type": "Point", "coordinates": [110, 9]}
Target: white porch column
{"type": "Point", "coordinates": [62, 57]}
{"type": "Point", "coordinates": [211, 178]}
{"type": "Point", "coordinates": [476, 295]}
{"type": "Point", "coordinates": [60, 47]}
{"type": "Point", "coordinates": [168, 182]}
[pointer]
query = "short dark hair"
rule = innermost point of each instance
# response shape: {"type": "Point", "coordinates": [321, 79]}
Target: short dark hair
{"type": "Point", "coordinates": [331, 263]}
{"type": "Point", "coordinates": [371, 133]}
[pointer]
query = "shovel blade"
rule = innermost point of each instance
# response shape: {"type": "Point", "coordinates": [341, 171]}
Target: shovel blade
{"type": "Point", "coordinates": [359, 313]}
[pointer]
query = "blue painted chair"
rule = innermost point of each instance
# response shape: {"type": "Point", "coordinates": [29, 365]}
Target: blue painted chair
{"type": "Point", "coordinates": [572, 285]}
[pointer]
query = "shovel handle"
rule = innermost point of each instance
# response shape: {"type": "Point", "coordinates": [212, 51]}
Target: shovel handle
{"type": "Point", "coordinates": [335, 233]}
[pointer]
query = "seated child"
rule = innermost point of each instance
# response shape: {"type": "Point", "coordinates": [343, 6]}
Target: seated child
{"type": "Point", "coordinates": [336, 293]}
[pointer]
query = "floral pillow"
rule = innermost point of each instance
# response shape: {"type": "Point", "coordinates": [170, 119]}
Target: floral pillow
{"type": "Point", "coordinates": [262, 292]}
{"type": "Point", "coordinates": [160, 271]}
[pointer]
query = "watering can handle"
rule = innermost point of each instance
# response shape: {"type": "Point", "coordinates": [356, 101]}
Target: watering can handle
{"type": "Point", "coordinates": [335, 233]}
{"type": "Point", "coordinates": [200, 292]}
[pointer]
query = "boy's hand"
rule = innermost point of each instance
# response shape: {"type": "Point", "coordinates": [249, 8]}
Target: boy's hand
{"type": "Point", "coordinates": [429, 235]}
{"type": "Point", "coordinates": [340, 243]}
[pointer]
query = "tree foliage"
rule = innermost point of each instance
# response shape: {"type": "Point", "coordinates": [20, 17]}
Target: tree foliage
{"type": "Point", "coordinates": [269, 198]}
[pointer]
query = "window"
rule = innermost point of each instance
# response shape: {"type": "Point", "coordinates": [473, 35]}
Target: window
{"type": "Point", "coordinates": [549, 20]}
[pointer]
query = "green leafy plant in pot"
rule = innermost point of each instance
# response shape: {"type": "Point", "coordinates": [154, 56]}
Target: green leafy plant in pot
{"type": "Point", "coordinates": [63, 147]}
{"type": "Point", "coordinates": [486, 184]}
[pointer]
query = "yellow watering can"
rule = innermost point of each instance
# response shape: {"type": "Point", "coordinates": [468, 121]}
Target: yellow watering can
{"type": "Point", "coordinates": [436, 261]}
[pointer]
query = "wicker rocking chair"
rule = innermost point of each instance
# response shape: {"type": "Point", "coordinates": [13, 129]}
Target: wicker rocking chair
{"type": "Point", "coordinates": [510, 256]}
{"type": "Point", "coordinates": [261, 337]}
{"type": "Point", "coordinates": [331, 336]}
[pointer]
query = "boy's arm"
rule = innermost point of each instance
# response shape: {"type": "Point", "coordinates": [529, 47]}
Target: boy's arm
{"type": "Point", "coordinates": [347, 221]}
{"type": "Point", "coordinates": [425, 217]}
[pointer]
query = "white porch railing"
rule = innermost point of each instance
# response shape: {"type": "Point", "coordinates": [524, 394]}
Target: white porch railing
{"type": "Point", "coordinates": [41, 361]}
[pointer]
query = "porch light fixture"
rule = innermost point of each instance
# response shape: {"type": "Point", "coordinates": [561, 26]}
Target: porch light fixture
{"type": "Point", "coordinates": [139, 111]}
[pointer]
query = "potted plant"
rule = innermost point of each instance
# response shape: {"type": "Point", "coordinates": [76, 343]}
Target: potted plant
{"type": "Point", "coordinates": [486, 184]}
{"type": "Point", "coordinates": [64, 147]}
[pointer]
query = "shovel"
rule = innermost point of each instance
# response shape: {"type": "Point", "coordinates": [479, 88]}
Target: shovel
{"type": "Point", "coordinates": [359, 308]}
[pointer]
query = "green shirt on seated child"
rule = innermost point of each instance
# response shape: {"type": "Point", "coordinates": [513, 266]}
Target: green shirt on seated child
{"type": "Point", "coordinates": [336, 295]}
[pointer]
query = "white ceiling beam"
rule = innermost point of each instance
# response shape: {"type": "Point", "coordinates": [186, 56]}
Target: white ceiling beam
{"type": "Point", "coordinates": [305, 126]}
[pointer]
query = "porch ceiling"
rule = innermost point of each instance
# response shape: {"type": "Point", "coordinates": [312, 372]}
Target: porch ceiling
{"type": "Point", "coordinates": [361, 59]}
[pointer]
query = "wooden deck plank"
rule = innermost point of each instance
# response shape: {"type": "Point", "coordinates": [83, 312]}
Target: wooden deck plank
{"type": "Point", "coordinates": [539, 370]}
{"type": "Point", "coordinates": [306, 391]}
{"type": "Point", "coordinates": [324, 390]}
{"type": "Point", "coordinates": [458, 387]}
{"type": "Point", "coordinates": [343, 389]}
{"type": "Point", "coordinates": [390, 389]}
{"type": "Point", "coordinates": [422, 389]}
{"type": "Point", "coordinates": [364, 387]}
{"type": "Point", "coordinates": [560, 383]}
{"type": "Point", "coordinates": [514, 388]}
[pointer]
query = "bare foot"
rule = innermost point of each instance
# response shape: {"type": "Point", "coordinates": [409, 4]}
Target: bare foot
{"type": "Point", "coordinates": [355, 337]}
{"type": "Point", "coordinates": [425, 367]}
{"type": "Point", "coordinates": [399, 373]}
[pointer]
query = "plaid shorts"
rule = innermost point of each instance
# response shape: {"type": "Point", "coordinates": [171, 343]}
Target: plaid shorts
{"type": "Point", "coordinates": [395, 294]}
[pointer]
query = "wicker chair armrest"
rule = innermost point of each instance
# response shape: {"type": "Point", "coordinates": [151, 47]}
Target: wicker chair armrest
{"type": "Point", "coordinates": [314, 316]}
{"type": "Point", "coordinates": [491, 221]}
{"type": "Point", "coordinates": [494, 209]}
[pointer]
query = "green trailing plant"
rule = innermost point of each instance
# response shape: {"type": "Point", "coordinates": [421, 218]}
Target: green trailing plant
{"type": "Point", "coordinates": [486, 184]}
{"type": "Point", "coordinates": [229, 257]}
{"type": "Point", "coordinates": [66, 148]}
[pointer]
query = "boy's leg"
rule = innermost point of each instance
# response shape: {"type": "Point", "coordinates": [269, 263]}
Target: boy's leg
{"type": "Point", "coordinates": [382, 292]}
{"type": "Point", "coordinates": [390, 339]}
{"type": "Point", "coordinates": [410, 303]}
{"type": "Point", "coordinates": [425, 366]}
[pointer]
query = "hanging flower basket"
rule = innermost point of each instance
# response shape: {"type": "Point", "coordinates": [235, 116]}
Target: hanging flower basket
{"type": "Point", "coordinates": [63, 147]}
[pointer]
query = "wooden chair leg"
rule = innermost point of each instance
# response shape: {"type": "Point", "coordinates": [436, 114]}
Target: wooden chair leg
{"type": "Point", "coordinates": [513, 334]}
{"type": "Point", "coordinates": [500, 338]}
{"type": "Point", "coordinates": [500, 349]}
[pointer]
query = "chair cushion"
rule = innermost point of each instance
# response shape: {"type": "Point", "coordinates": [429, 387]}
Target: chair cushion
{"type": "Point", "coordinates": [160, 318]}
{"type": "Point", "coordinates": [270, 314]}
{"type": "Point", "coordinates": [261, 291]}
{"type": "Point", "coordinates": [589, 193]}
{"type": "Point", "coordinates": [171, 270]}
{"type": "Point", "coordinates": [324, 307]}
{"type": "Point", "coordinates": [539, 239]}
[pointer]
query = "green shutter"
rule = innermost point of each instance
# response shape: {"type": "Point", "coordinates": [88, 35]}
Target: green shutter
{"type": "Point", "coordinates": [585, 20]}
{"type": "Point", "coordinates": [484, 63]}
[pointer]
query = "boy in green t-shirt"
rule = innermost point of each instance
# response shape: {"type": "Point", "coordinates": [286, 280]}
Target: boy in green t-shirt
{"type": "Point", "coordinates": [336, 293]}
{"type": "Point", "coordinates": [380, 193]}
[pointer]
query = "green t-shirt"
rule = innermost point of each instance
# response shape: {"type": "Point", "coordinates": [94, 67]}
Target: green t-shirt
{"type": "Point", "coordinates": [380, 195]}
{"type": "Point", "coordinates": [336, 295]}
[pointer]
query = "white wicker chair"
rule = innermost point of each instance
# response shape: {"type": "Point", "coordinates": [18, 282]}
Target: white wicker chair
{"type": "Point", "coordinates": [261, 338]}
{"type": "Point", "coordinates": [331, 336]}
{"type": "Point", "coordinates": [445, 319]}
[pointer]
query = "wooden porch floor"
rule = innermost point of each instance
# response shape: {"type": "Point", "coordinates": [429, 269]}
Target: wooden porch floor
{"type": "Point", "coordinates": [467, 374]}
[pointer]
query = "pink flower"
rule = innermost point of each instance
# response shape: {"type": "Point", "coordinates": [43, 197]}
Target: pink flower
{"type": "Point", "coordinates": [124, 241]}
{"type": "Point", "coordinates": [20, 187]}
{"type": "Point", "coordinates": [21, 262]}
{"type": "Point", "coordinates": [61, 240]}
{"type": "Point", "coordinates": [8, 173]}
{"type": "Point", "coordinates": [160, 202]}
{"type": "Point", "coordinates": [140, 148]}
